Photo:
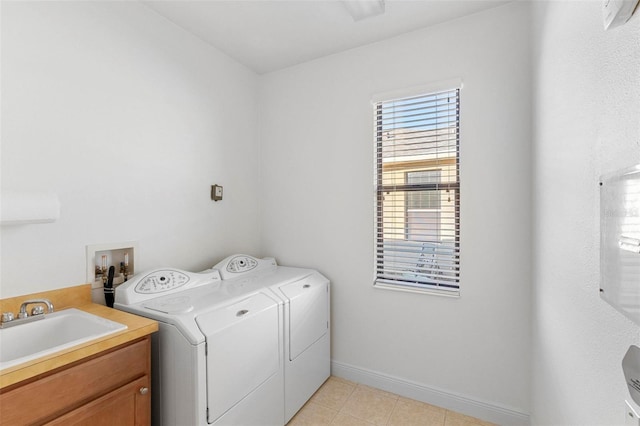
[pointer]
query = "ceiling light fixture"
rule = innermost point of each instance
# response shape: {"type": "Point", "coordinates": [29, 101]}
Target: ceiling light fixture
{"type": "Point", "coordinates": [362, 9]}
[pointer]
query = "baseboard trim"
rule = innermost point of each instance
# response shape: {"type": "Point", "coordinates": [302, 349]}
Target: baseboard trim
{"type": "Point", "coordinates": [445, 399]}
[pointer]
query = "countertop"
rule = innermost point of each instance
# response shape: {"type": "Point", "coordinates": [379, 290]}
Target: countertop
{"type": "Point", "coordinates": [137, 327]}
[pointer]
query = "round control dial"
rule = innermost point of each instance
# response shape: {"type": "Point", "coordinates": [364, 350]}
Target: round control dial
{"type": "Point", "coordinates": [161, 281]}
{"type": "Point", "coordinates": [241, 264]}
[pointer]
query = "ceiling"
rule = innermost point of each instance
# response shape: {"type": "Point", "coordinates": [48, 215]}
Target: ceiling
{"type": "Point", "coordinates": [268, 35]}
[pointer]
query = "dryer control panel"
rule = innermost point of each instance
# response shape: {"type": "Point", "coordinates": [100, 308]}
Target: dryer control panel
{"type": "Point", "coordinates": [240, 264]}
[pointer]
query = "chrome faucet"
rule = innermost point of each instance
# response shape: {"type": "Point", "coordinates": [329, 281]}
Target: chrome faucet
{"type": "Point", "coordinates": [37, 312]}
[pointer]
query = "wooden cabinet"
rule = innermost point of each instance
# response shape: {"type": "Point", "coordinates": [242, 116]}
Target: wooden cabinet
{"type": "Point", "coordinates": [127, 405]}
{"type": "Point", "coordinates": [111, 388]}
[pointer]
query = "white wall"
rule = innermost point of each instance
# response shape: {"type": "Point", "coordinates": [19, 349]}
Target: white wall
{"type": "Point", "coordinates": [130, 120]}
{"type": "Point", "coordinates": [587, 123]}
{"type": "Point", "coordinates": [317, 180]}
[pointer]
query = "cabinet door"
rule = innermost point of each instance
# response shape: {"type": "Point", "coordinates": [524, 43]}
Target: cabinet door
{"type": "Point", "coordinates": [127, 405]}
{"type": "Point", "coordinates": [56, 394]}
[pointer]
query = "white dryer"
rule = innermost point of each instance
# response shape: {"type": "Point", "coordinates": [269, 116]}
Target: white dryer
{"type": "Point", "coordinates": [218, 357]}
{"type": "Point", "coordinates": [306, 302]}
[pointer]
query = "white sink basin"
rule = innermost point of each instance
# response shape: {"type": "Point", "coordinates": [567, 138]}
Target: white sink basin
{"type": "Point", "coordinates": [57, 331]}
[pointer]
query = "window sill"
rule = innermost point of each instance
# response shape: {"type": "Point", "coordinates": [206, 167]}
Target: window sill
{"type": "Point", "coordinates": [454, 293]}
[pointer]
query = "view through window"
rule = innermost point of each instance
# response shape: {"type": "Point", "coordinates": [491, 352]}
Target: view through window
{"type": "Point", "coordinates": [418, 191]}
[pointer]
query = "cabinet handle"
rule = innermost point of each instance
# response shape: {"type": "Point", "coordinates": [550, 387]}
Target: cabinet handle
{"type": "Point", "coordinates": [144, 391]}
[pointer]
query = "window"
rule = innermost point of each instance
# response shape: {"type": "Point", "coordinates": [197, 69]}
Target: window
{"type": "Point", "coordinates": [423, 207]}
{"type": "Point", "coordinates": [418, 192]}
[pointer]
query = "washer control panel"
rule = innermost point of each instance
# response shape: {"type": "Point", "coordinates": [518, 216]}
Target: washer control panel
{"type": "Point", "coordinates": [161, 281]}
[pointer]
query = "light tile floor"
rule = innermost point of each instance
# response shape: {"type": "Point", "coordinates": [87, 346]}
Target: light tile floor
{"type": "Point", "coordinates": [344, 403]}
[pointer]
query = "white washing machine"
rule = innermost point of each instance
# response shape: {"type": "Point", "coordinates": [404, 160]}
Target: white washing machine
{"type": "Point", "coordinates": [217, 358]}
{"type": "Point", "coordinates": [244, 343]}
{"type": "Point", "coordinates": [305, 297]}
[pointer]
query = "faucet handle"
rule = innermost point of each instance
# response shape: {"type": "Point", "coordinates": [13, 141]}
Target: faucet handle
{"type": "Point", "coordinates": [7, 317]}
{"type": "Point", "coordinates": [37, 310]}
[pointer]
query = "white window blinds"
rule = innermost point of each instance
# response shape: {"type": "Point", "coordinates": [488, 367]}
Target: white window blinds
{"type": "Point", "coordinates": [418, 192]}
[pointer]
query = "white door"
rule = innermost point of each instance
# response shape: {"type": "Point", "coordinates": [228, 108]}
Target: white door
{"type": "Point", "coordinates": [308, 312]}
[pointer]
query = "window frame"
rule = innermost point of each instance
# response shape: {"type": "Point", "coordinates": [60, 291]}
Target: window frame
{"type": "Point", "coordinates": [414, 285]}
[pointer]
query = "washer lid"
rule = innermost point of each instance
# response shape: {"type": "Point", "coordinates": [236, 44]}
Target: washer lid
{"type": "Point", "coordinates": [174, 305]}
